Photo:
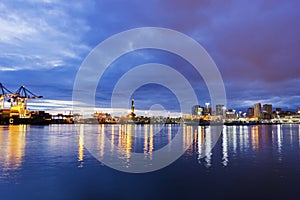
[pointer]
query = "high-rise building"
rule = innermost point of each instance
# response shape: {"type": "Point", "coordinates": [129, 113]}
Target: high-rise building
{"type": "Point", "coordinates": [268, 108]}
{"type": "Point", "coordinates": [250, 112]}
{"type": "Point", "coordinates": [197, 110]}
{"type": "Point", "coordinates": [267, 111]}
{"type": "Point", "coordinates": [257, 110]}
{"type": "Point", "coordinates": [219, 109]}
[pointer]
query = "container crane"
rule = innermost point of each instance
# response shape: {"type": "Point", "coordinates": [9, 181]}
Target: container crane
{"type": "Point", "coordinates": [19, 102]}
{"type": "Point", "coordinates": [4, 93]}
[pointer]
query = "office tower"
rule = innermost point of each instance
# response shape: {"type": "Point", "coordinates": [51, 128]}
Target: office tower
{"type": "Point", "coordinates": [268, 108]}
{"type": "Point", "coordinates": [219, 109]}
{"type": "Point", "coordinates": [257, 110]}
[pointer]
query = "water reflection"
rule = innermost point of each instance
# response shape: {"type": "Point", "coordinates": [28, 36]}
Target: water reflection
{"type": "Point", "coordinates": [254, 137]}
{"type": "Point", "coordinates": [201, 137]}
{"type": "Point", "coordinates": [299, 135]}
{"type": "Point", "coordinates": [12, 148]}
{"type": "Point", "coordinates": [277, 140]}
{"type": "Point", "coordinates": [146, 148]}
{"type": "Point", "coordinates": [208, 147]}
{"type": "Point", "coordinates": [188, 139]}
{"type": "Point", "coordinates": [81, 146]}
{"type": "Point", "coordinates": [101, 139]}
{"type": "Point", "coordinates": [151, 144]}
{"type": "Point", "coordinates": [291, 135]}
{"type": "Point", "coordinates": [126, 139]}
{"type": "Point", "coordinates": [234, 138]}
{"type": "Point", "coordinates": [197, 140]}
{"type": "Point", "coordinates": [235, 142]}
{"type": "Point", "coordinates": [245, 141]}
{"type": "Point", "coordinates": [224, 147]}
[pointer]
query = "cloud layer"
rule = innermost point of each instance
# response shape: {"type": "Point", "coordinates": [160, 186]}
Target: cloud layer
{"type": "Point", "coordinates": [37, 35]}
{"type": "Point", "coordinates": [255, 44]}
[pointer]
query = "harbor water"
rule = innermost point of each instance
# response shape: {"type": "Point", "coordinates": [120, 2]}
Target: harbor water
{"type": "Point", "coordinates": [54, 162]}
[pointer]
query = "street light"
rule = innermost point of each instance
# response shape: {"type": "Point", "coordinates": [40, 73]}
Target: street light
{"type": "Point", "coordinates": [207, 110]}
{"type": "Point", "coordinates": [207, 104]}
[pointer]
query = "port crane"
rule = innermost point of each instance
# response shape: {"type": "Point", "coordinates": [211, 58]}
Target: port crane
{"type": "Point", "coordinates": [18, 101]}
{"type": "Point", "coordinates": [4, 93]}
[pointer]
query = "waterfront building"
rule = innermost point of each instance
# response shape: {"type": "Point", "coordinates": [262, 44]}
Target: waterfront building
{"type": "Point", "coordinates": [220, 109]}
{"type": "Point", "coordinates": [231, 114]}
{"type": "Point", "coordinates": [257, 110]}
{"type": "Point", "coordinates": [268, 108]}
{"type": "Point", "coordinates": [197, 110]}
{"type": "Point", "coordinates": [267, 111]}
{"type": "Point", "coordinates": [250, 112]}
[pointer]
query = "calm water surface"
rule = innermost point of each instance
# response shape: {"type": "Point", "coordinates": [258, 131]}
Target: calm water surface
{"type": "Point", "coordinates": [51, 162]}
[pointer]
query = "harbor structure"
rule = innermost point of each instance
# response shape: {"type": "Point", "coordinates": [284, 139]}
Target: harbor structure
{"type": "Point", "coordinates": [18, 112]}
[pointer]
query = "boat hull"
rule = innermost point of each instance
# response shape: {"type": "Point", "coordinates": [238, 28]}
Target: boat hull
{"type": "Point", "coordinates": [17, 120]}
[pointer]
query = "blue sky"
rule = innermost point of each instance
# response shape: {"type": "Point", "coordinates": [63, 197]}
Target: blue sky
{"type": "Point", "coordinates": [255, 45]}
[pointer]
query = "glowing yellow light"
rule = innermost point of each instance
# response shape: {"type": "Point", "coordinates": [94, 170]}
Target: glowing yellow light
{"type": "Point", "coordinates": [81, 143]}
{"type": "Point", "coordinates": [13, 146]}
{"type": "Point", "coordinates": [151, 146]}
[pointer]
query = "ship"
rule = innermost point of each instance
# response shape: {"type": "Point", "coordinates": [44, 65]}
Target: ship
{"type": "Point", "coordinates": [18, 112]}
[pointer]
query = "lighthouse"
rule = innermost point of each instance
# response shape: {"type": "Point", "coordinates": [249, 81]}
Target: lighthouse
{"type": "Point", "coordinates": [131, 115]}
{"type": "Point", "coordinates": [132, 106]}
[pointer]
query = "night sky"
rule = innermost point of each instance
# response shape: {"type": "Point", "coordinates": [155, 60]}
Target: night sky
{"type": "Point", "coordinates": [255, 44]}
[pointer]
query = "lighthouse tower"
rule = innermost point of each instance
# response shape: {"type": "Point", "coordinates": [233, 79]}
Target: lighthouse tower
{"type": "Point", "coordinates": [131, 114]}
{"type": "Point", "coordinates": [132, 106]}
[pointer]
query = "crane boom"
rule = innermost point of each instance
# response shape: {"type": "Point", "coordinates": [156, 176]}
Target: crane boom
{"type": "Point", "coordinates": [19, 102]}
{"type": "Point", "coordinates": [24, 93]}
{"type": "Point", "coordinates": [4, 94]}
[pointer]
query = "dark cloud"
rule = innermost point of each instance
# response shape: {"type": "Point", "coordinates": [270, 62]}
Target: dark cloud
{"type": "Point", "coordinates": [264, 47]}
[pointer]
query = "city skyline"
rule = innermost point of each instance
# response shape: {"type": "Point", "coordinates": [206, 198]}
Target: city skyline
{"type": "Point", "coordinates": [253, 45]}
{"type": "Point", "coordinates": [156, 110]}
